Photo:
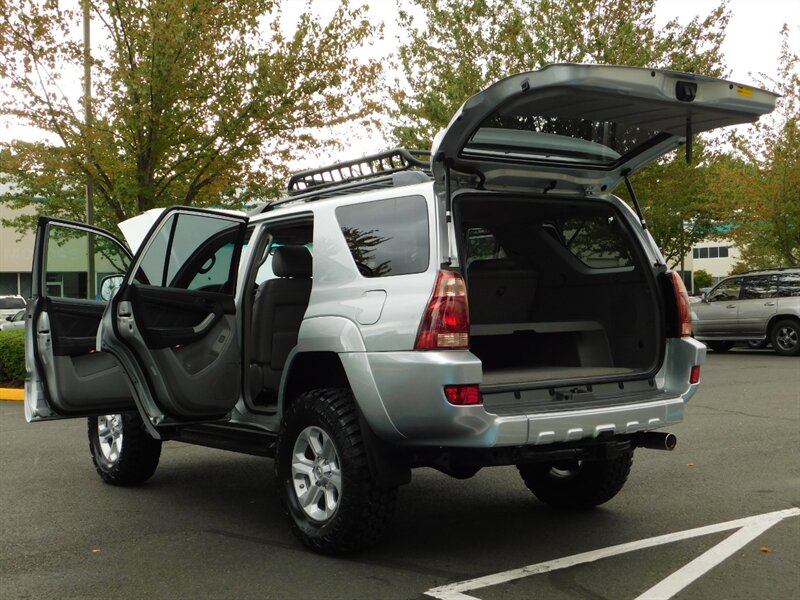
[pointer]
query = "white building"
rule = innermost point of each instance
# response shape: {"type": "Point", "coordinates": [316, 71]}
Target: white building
{"type": "Point", "coordinates": [715, 257]}
{"type": "Point", "coordinates": [16, 257]}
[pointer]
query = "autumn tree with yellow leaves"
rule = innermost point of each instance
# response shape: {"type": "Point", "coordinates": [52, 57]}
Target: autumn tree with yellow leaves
{"type": "Point", "coordinates": [195, 102]}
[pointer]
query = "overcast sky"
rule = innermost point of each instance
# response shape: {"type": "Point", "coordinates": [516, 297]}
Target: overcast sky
{"type": "Point", "coordinates": [752, 43]}
{"type": "Point", "coordinates": [751, 46]}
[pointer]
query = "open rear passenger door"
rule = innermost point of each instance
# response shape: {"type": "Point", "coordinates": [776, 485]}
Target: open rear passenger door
{"type": "Point", "coordinates": [74, 268]}
{"type": "Point", "coordinates": [172, 325]}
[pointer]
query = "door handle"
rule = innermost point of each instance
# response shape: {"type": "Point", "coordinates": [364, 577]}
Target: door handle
{"type": "Point", "coordinates": [203, 325]}
{"type": "Point", "coordinates": [769, 304]}
{"type": "Point", "coordinates": [731, 306]}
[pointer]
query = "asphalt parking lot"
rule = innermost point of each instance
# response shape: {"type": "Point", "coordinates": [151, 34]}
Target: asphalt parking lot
{"type": "Point", "coordinates": [208, 524]}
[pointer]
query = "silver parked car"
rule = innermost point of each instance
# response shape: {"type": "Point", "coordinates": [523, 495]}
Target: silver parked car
{"type": "Point", "coordinates": [758, 307]}
{"type": "Point", "coordinates": [492, 305]}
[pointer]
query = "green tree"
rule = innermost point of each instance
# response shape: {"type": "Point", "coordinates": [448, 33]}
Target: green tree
{"type": "Point", "coordinates": [681, 202]}
{"type": "Point", "coordinates": [195, 101]}
{"type": "Point", "coordinates": [455, 48]}
{"type": "Point", "coordinates": [764, 188]}
{"type": "Point", "coordinates": [702, 279]}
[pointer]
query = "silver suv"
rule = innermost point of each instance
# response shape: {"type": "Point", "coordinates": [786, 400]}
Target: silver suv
{"type": "Point", "coordinates": [758, 307]}
{"type": "Point", "coordinates": [492, 304]}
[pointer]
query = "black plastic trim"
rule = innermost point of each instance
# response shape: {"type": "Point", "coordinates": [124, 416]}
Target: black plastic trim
{"type": "Point", "coordinates": [244, 440]}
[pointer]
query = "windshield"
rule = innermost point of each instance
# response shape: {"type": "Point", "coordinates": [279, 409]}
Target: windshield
{"type": "Point", "coordinates": [12, 303]}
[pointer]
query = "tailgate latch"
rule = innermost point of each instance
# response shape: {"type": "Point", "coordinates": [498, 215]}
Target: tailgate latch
{"type": "Point", "coordinates": [574, 393]}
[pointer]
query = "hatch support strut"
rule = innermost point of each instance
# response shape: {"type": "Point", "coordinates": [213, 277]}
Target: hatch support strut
{"type": "Point", "coordinates": [689, 141]}
{"type": "Point", "coordinates": [632, 194]}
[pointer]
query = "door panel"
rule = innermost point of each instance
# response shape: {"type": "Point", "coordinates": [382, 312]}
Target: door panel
{"type": "Point", "coordinates": [67, 376]}
{"type": "Point", "coordinates": [73, 325]}
{"type": "Point", "coordinates": [173, 322]}
{"type": "Point", "coordinates": [190, 337]}
{"type": "Point", "coordinates": [168, 316]}
{"type": "Point", "coordinates": [719, 318]}
{"type": "Point", "coordinates": [80, 381]}
{"type": "Point", "coordinates": [719, 314]}
{"type": "Point", "coordinates": [759, 302]}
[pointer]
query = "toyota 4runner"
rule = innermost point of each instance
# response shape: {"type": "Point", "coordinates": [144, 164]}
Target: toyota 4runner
{"type": "Point", "coordinates": [491, 304]}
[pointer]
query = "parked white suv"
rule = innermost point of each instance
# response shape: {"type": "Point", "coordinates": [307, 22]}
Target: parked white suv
{"type": "Point", "coordinates": [10, 306]}
{"type": "Point", "coordinates": [494, 305]}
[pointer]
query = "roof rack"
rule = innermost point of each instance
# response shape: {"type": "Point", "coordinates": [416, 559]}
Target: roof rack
{"type": "Point", "coordinates": [772, 269]}
{"type": "Point", "coordinates": [359, 170]}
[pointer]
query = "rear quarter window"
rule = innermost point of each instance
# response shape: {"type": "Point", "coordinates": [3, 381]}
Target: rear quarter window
{"type": "Point", "coordinates": [482, 245]}
{"type": "Point", "coordinates": [12, 303]}
{"type": "Point", "coordinates": [759, 287]}
{"type": "Point", "coordinates": [790, 285]}
{"type": "Point", "coordinates": [387, 237]}
{"type": "Point", "coordinates": [598, 241]}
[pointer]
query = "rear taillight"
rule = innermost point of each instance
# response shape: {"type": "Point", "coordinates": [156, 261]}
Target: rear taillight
{"type": "Point", "coordinates": [694, 376]}
{"type": "Point", "coordinates": [682, 304]}
{"type": "Point", "coordinates": [463, 395]}
{"type": "Point", "coordinates": [446, 322]}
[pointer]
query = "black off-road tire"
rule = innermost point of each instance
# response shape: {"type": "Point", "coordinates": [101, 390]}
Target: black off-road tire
{"type": "Point", "coordinates": [785, 337]}
{"type": "Point", "coordinates": [363, 509]}
{"type": "Point", "coordinates": [577, 485]}
{"type": "Point", "coordinates": [720, 346]}
{"type": "Point", "coordinates": [137, 457]}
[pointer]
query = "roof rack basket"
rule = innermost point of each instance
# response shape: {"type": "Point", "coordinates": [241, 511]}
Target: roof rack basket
{"type": "Point", "coordinates": [361, 169]}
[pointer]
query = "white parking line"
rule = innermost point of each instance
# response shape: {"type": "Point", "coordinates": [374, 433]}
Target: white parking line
{"type": "Point", "coordinates": [749, 529]}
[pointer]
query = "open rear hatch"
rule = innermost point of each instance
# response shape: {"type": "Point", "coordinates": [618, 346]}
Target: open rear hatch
{"type": "Point", "coordinates": [560, 288]}
{"type": "Point", "coordinates": [584, 126]}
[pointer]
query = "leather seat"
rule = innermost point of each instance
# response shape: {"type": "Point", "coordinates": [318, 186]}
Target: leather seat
{"type": "Point", "coordinates": [278, 311]}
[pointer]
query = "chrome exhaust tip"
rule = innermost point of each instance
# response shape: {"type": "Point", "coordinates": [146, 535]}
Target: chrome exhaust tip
{"type": "Point", "coordinates": [656, 440]}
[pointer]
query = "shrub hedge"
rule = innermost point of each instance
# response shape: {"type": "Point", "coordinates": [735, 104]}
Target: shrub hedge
{"type": "Point", "coordinates": [12, 358]}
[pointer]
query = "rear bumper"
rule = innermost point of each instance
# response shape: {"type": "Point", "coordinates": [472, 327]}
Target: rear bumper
{"type": "Point", "coordinates": [404, 403]}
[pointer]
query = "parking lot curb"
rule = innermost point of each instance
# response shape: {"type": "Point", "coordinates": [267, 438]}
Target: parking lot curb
{"type": "Point", "coordinates": [12, 394]}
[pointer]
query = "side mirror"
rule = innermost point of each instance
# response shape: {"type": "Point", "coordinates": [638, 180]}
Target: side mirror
{"type": "Point", "coordinates": [9, 317]}
{"type": "Point", "coordinates": [109, 284]}
{"type": "Point", "coordinates": [704, 298]}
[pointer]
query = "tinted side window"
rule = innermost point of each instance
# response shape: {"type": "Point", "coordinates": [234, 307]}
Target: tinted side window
{"type": "Point", "coordinates": [790, 285]}
{"type": "Point", "coordinates": [727, 290]}
{"type": "Point", "coordinates": [482, 245]}
{"type": "Point", "coordinates": [598, 241]}
{"type": "Point", "coordinates": [387, 237]}
{"type": "Point", "coordinates": [760, 286]}
{"type": "Point", "coordinates": [193, 252]}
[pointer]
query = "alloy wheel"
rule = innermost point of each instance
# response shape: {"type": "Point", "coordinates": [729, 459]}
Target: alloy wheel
{"type": "Point", "coordinates": [787, 338]}
{"type": "Point", "coordinates": [109, 434]}
{"type": "Point", "coordinates": [316, 473]}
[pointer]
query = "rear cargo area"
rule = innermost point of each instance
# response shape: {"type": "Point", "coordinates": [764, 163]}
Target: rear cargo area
{"type": "Point", "coordinates": [559, 291]}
